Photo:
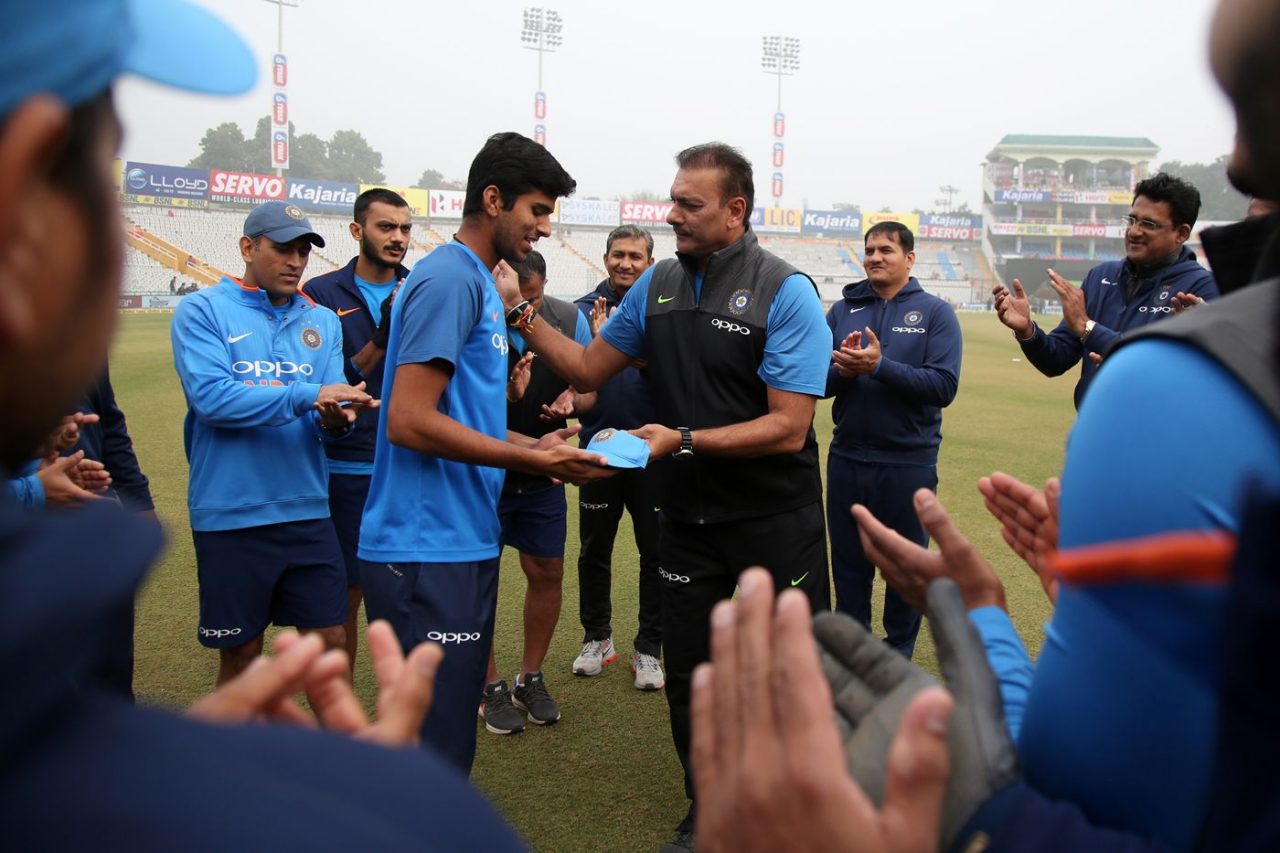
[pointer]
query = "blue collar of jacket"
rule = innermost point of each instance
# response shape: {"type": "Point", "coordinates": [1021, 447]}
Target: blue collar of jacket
{"type": "Point", "coordinates": [862, 291]}
{"type": "Point", "coordinates": [256, 297]}
{"type": "Point", "coordinates": [346, 278]}
{"type": "Point", "coordinates": [1177, 266]}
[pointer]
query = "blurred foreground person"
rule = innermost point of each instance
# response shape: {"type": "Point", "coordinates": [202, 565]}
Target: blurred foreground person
{"type": "Point", "coordinates": [130, 778]}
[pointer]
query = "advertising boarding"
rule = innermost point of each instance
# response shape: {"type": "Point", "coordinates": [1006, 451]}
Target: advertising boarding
{"type": "Point", "coordinates": [588, 211]}
{"type": "Point", "coordinates": [832, 223]}
{"type": "Point", "coordinates": [322, 196]}
{"type": "Point", "coordinates": [171, 186]}
{"type": "Point", "coordinates": [240, 187]}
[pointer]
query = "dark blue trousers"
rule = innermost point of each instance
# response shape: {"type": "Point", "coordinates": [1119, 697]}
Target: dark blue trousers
{"type": "Point", "coordinates": [886, 490]}
{"type": "Point", "coordinates": [451, 604]}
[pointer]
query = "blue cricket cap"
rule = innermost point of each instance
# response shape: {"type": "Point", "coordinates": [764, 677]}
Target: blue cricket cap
{"type": "Point", "coordinates": [622, 449]}
{"type": "Point", "coordinates": [280, 222]}
{"type": "Point", "coordinates": [74, 49]}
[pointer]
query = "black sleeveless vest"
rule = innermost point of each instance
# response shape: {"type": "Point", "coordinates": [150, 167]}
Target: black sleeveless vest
{"type": "Point", "coordinates": [703, 357]}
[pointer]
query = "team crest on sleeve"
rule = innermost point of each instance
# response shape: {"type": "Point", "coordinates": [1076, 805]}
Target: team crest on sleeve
{"type": "Point", "coordinates": [912, 318]}
{"type": "Point", "coordinates": [311, 338]}
{"type": "Point", "coordinates": [293, 211]}
{"type": "Point", "coordinates": [603, 435]}
{"type": "Point", "coordinates": [1164, 295]}
{"type": "Point", "coordinates": [739, 302]}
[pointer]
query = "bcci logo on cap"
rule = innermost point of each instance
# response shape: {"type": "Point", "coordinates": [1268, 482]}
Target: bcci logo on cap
{"type": "Point", "coordinates": [311, 339]}
{"type": "Point", "coordinates": [913, 318]}
{"type": "Point", "coordinates": [603, 435]}
{"type": "Point", "coordinates": [739, 302]}
{"type": "Point", "coordinates": [293, 211]}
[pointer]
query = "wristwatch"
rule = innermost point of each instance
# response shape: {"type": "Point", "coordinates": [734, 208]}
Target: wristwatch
{"type": "Point", "coordinates": [1088, 328]}
{"type": "Point", "coordinates": [686, 444]}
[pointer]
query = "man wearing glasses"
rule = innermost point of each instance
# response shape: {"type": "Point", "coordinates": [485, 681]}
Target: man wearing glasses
{"type": "Point", "coordinates": [1158, 277]}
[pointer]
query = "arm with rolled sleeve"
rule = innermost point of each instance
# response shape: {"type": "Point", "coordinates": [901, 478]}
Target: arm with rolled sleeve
{"type": "Point", "coordinates": [214, 394]}
{"type": "Point", "coordinates": [934, 382]}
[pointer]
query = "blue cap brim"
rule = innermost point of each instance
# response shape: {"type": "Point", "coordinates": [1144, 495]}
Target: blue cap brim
{"type": "Point", "coordinates": [621, 449]}
{"type": "Point", "coordinates": [182, 45]}
{"type": "Point", "coordinates": [293, 232]}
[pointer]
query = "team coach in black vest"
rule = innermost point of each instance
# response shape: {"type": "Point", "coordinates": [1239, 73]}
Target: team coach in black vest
{"type": "Point", "coordinates": [737, 351]}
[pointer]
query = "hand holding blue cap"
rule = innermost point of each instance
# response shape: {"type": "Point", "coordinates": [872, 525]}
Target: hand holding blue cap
{"type": "Point", "coordinates": [622, 449]}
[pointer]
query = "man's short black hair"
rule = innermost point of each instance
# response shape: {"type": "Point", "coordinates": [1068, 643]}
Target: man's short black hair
{"type": "Point", "coordinates": [1183, 197]}
{"type": "Point", "coordinates": [516, 165]}
{"type": "Point", "coordinates": [893, 230]}
{"type": "Point", "coordinates": [366, 199]}
{"type": "Point", "coordinates": [533, 264]}
{"type": "Point", "coordinates": [629, 232]}
{"type": "Point", "coordinates": [729, 160]}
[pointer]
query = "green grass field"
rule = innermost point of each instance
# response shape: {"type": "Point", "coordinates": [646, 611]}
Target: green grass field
{"type": "Point", "coordinates": [606, 776]}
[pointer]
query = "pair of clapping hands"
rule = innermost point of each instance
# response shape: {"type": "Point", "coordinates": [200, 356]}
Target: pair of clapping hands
{"type": "Point", "coordinates": [772, 710]}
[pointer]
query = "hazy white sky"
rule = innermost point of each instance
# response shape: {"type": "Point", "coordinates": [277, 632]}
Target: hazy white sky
{"type": "Point", "coordinates": [892, 100]}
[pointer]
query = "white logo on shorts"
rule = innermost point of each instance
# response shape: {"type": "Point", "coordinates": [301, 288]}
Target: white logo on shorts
{"type": "Point", "coordinates": [448, 637]}
{"type": "Point", "coordinates": [218, 633]}
{"type": "Point", "coordinates": [668, 576]}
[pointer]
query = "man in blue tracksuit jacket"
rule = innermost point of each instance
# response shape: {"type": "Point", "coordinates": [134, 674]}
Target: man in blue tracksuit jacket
{"type": "Point", "coordinates": [356, 293]}
{"type": "Point", "coordinates": [895, 365]}
{"type": "Point", "coordinates": [1158, 276]}
{"type": "Point", "coordinates": [261, 369]}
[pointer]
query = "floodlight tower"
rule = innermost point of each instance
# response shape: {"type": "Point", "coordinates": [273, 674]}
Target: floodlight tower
{"type": "Point", "coordinates": [541, 33]}
{"type": "Point", "coordinates": [278, 137]}
{"type": "Point", "coordinates": [781, 58]}
{"type": "Point", "coordinates": [950, 193]}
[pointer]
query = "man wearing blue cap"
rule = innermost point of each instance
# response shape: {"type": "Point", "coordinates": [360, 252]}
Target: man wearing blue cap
{"type": "Point", "coordinates": [261, 367]}
{"type": "Point", "coordinates": [129, 777]}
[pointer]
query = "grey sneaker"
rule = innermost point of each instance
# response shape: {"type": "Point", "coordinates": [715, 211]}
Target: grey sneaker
{"type": "Point", "coordinates": [532, 698]}
{"type": "Point", "coordinates": [648, 672]}
{"type": "Point", "coordinates": [499, 714]}
{"type": "Point", "coordinates": [596, 654]}
{"type": "Point", "coordinates": [681, 842]}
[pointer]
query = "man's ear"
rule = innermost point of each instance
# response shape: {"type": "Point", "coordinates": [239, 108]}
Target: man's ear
{"type": "Point", "coordinates": [30, 138]}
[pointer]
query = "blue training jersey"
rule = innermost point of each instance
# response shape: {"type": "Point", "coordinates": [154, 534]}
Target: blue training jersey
{"type": "Point", "coordinates": [423, 508]}
{"type": "Point", "coordinates": [251, 374]}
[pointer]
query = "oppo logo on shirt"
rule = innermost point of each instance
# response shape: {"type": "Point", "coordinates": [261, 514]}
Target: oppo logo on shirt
{"type": "Point", "coordinates": [276, 369]}
{"type": "Point", "coordinates": [500, 343]}
{"type": "Point", "coordinates": [909, 330]}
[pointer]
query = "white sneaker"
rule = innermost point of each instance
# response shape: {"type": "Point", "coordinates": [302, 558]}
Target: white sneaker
{"type": "Point", "coordinates": [648, 672]}
{"type": "Point", "coordinates": [596, 654]}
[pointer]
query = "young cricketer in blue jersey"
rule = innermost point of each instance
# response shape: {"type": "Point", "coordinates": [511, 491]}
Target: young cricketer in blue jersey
{"type": "Point", "coordinates": [261, 369]}
{"type": "Point", "coordinates": [429, 541]}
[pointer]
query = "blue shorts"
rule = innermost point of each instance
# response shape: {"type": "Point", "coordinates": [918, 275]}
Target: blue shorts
{"type": "Point", "coordinates": [535, 523]}
{"type": "Point", "coordinates": [347, 494]}
{"type": "Point", "coordinates": [289, 573]}
{"type": "Point", "coordinates": [452, 604]}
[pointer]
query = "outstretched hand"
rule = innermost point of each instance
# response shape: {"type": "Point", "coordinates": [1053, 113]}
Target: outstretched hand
{"type": "Point", "coordinates": [910, 568]}
{"type": "Point", "coordinates": [266, 690]}
{"type": "Point", "coordinates": [767, 759]}
{"type": "Point", "coordinates": [1028, 522]}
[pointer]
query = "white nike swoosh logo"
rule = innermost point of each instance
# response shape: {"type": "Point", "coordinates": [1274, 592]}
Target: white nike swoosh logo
{"type": "Point", "coordinates": [231, 339]}
{"type": "Point", "coordinates": [856, 310]}
{"type": "Point", "coordinates": [1104, 281]}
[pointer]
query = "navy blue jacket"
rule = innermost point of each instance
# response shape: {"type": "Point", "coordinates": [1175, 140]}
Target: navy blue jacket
{"type": "Point", "coordinates": [894, 416]}
{"type": "Point", "coordinates": [623, 402]}
{"type": "Point", "coordinates": [85, 769]}
{"type": "Point", "coordinates": [338, 292]}
{"type": "Point", "coordinates": [108, 442]}
{"type": "Point", "coordinates": [1104, 287]}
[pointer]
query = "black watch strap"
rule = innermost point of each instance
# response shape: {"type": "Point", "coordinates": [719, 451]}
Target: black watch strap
{"type": "Point", "coordinates": [686, 443]}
